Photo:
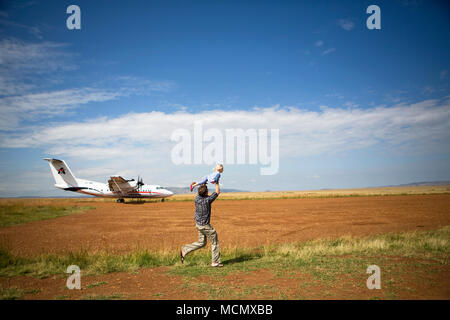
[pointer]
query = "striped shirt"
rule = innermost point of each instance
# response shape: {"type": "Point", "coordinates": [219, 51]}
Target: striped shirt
{"type": "Point", "coordinates": [203, 209]}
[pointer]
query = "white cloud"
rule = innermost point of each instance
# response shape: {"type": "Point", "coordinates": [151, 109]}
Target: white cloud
{"type": "Point", "coordinates": [419, 127]}
{"type": "Point", "coordinates": [42, 57]}
{"type": "Point", "coordinates": [328, 51]}
{"type": "Point", "coordinates": [346, 24]}
{"type": "Point", "coordinates": [11, 86]}
{"type": "Point", "coordinates": [139, 143]}
{"type": "Point", "coordinates": [128, 85]}
{"type": "Point", "coordinates": [34, 30]}
{"type": "Point", "coordinates": [351, 104]}
{"type": "Point", "coordinates": [24, 65]}
{"type": "Point", "coordinates": [14, 109]}
{"type": "Point", "coordinates": [319, 43]}
{"type": "Point", "coordinates": [443, 74]}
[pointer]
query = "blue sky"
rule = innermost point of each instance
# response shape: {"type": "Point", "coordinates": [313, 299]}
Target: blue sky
{"type": "Point", "coordinates": [355, 107]}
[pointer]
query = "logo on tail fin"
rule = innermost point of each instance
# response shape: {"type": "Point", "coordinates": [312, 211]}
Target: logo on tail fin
{"type": "Point", "coordinates": [61, 171]}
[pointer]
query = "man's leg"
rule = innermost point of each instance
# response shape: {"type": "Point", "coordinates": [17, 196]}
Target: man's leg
{"type": "Point", "coordinates": [196, 245]}
{"type": "Point", "coordinates": [211, 233]}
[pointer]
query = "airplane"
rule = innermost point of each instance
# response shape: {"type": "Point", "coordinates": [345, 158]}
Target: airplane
{"type": "Point", "coordinates": [117, 186]}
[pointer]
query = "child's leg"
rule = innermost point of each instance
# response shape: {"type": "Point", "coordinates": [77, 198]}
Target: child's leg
{"type": "Point", "coordinates": [203, 181]}
{"type": "Point", "coordinates": [195, 184]}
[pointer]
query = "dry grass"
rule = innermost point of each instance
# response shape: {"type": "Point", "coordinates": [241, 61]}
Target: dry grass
{"type": "Point", "coordinates": [432, 245]}
{"type": "Point", "coordinates": [419, 190]}
{"type": "Point", "coordinates": [331, 193]}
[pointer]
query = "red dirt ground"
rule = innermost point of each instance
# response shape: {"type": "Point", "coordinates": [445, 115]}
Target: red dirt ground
{"type": "Point", "coordinates": [243, 223]}
{"type": "Point", "coordinates": [156, 284]}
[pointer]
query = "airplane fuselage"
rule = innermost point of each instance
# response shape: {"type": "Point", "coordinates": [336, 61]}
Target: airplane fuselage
{"type": "Point", "coordinates": [99, 189]}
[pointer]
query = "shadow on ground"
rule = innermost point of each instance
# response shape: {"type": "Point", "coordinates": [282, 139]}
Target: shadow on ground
{"type": "Point", "coordinates": [242, 258]}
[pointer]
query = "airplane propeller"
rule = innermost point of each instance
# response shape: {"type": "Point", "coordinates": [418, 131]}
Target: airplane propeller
{"type": "Point", "coordinates": [140, 183]}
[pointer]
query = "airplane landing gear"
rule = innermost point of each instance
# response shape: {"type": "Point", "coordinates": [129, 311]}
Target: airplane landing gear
{"type": "Point", "coordinates": [162, 200]}
{"type": "Point", "coordinates": [120, 200]}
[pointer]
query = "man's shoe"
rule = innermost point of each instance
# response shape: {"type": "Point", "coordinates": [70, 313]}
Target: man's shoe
{"type": "Point", "coordinates": [215, 265]}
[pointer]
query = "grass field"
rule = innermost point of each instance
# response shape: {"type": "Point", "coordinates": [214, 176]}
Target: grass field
{"type": "Point", "coordinates": [332, 193]}
{"type": "Point", "coordinates": [14, 212]}
{"type": "Point", "coordinates": [414, 264]}
{"type": "Point", "coordinates": [433, 245]}
{"type": "Point", "coordinates": [334, 264]}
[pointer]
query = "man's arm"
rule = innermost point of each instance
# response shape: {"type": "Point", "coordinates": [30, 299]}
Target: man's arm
{"type": "Point", "coordinates": [217, 188]}
{"type": "Point", "coordinates": [214, 195]}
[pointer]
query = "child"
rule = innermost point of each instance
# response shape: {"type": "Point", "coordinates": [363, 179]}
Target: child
{"type": "Point", "coordinates": [212, 178]}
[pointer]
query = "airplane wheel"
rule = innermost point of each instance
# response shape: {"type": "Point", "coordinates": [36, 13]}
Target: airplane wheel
{"type": "Point", "coordinates": [120, 200]}
{"type": "Point", "coordinates": [162, 200]}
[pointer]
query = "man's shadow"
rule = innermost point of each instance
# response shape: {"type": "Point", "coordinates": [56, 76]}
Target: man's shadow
{"type": "Point", "coordinates": [243, 258]}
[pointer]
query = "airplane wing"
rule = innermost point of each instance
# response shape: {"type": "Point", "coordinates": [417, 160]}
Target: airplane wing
{"type": "Point", "coordinates": [120, 185]}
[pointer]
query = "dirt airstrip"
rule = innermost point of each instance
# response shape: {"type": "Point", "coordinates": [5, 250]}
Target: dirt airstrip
{"type": "Point", "coordinates": [241, 223]}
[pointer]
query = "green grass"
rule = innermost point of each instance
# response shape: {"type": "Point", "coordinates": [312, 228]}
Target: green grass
{"type": "Point", "coordinates": [327, 254]}
{"type": "Point", "coordinates": [46, 265]}
{"type": "Point", "coordinates": [97, 284]}
{"type": "Point", "coordinates": [325, 263]}
{"type": "Point", "coordinates": [33, 291]}
{"type": "Point", "coordinates": [431, 245]}
{"type": "Point", "coordinates": [115, 296]}
{"type": "Point", "coordinates": [10, 294]}
{"type": "Point", "coordinates": [12, 214]}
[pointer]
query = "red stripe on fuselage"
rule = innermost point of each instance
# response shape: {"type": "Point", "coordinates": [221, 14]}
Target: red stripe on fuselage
{"type": "Point", "coordinates": [102, 194]}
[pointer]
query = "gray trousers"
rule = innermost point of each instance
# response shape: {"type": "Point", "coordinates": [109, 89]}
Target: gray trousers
{"type": "Point", "coordinates": [206, 231]}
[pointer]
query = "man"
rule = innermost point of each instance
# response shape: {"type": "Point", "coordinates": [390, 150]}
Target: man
{"type": "Point", "coordinates": [204, 228]}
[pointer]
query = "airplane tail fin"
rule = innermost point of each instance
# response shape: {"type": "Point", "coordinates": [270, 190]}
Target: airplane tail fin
{"type": "Point", "coordinates": [62, 174]}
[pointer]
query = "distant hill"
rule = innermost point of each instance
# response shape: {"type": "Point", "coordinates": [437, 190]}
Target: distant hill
{"type": "Point", "coordinates": [181, 190]}
{"type": "Point", "coordinates": [424, 183]}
